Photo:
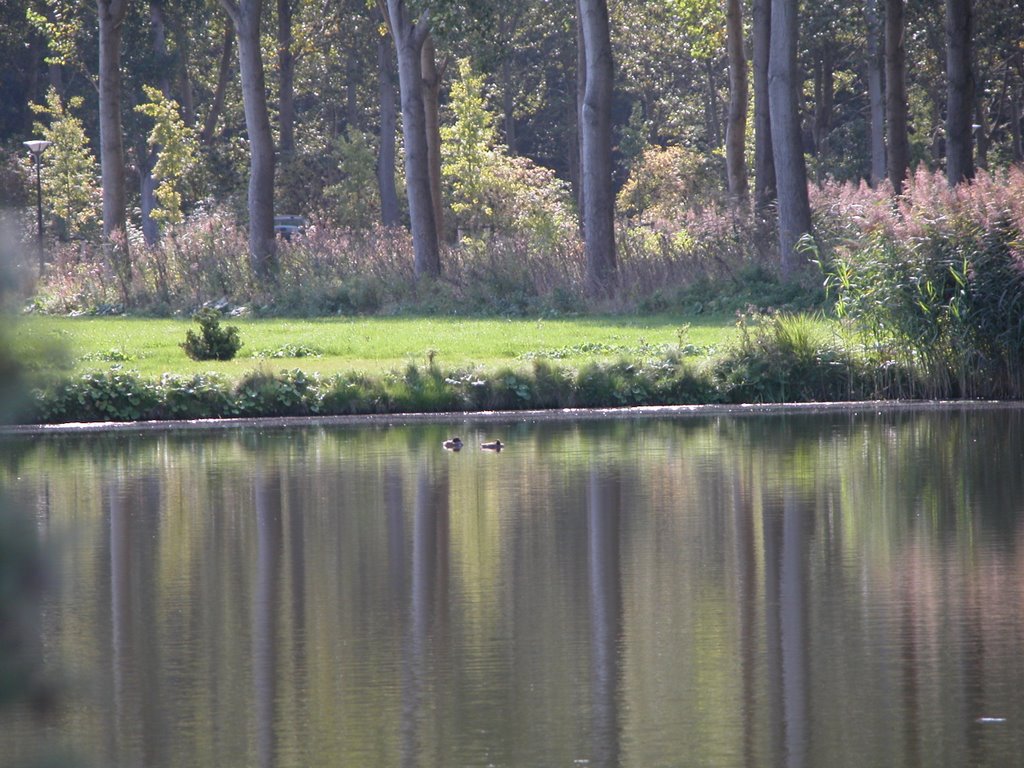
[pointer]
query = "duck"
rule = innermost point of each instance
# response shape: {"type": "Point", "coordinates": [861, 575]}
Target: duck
{"type": "Point", "coordinates": [452, 444]}
{"type": "Point", "coordinates": [493, 445]}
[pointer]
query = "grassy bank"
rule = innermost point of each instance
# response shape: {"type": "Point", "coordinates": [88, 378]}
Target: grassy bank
{"type": "Point", "coordinates": [366, 345]}
{"type": "Point", "coordinates": [433, 365]}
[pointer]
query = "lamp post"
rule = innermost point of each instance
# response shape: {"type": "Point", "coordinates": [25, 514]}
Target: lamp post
{"type": "Point", "coordinates": [36, 149]}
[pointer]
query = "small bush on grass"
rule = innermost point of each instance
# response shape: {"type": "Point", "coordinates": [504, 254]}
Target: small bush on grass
{"type": "Point", "coordinates": [213, 342]}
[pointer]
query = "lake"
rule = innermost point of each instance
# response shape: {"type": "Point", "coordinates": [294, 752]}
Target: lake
{"type": "Point", "coordinates": [843, 589]}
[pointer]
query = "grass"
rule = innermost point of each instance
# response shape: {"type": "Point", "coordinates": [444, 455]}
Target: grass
{"type": "Point", "coordinates": [368, 345]}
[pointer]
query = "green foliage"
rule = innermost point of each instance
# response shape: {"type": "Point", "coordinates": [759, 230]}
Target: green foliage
{"type": "Point", "coordinates": [290, 393]}
{"type": "Point", "coordinates": [118, 395]}
{"type": "Point", "coordinates": [354, 393]}
{"type": "Point", "coordinates": [201, 396]}
{"type": "Point", "coordinates": [468, 142]}
{"type": "Point", "coordinates": [934, 289]}
{"type": "Point", "coordinates": [787, 358]}
{"type": "Point", "coordinates": [115, 395]}
{"type": "Point", "coordinates": [177, 146]}
{"type": "Point", "coordinates": [213, 342]}
{"type": "Point", "coordinates": [665, 182]}
{"type": "Point", "coordinates": [69, 173]}
{"type": "Point", "coordinates": [354, 199]}
{"type": "Point", "coordinates": [490, 190]}
{"type": "Point", "coordinates": [290, 351]}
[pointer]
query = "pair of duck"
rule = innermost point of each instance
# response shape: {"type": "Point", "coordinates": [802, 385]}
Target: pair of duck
{"type": "Point", "coordinates": [455, 444]}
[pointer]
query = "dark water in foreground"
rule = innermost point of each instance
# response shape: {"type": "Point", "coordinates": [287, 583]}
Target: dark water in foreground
{"type": "Point", "coordinates": [843, 590]}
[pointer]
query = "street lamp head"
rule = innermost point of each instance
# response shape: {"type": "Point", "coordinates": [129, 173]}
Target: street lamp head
{"type": "Point", "coordinates": [36, 146]}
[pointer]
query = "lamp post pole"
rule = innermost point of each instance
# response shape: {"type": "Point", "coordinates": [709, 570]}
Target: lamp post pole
{"type": "Point", "coordinates": [36, 149]}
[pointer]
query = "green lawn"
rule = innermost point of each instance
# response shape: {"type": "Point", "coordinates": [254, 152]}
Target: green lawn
{"type": "Point", "coordinates": [151, 346]}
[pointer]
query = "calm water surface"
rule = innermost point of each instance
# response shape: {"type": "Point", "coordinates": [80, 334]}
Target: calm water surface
{"type": "Point", "coordinates": [843, 590]}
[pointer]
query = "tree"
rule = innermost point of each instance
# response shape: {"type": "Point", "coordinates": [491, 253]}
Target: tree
{"type": "Point", "coordinates": [216, 108]}
{"type": "Point", "coordinates": [596, 149]}
{"type": "Point", "coordinates": [245, 15]}
{"type": "Point", "coordinates": [410, 35]}
{"type": "Point", "coordinates": [389, 207]}
{"type": "Point", "coordinates": [898, 141]}
{"type": "Point", "coordinates": [736, 126]}
{"type": "Point", "coordinates": [787, 143]}
{"type": "Point", "coordinates": [959, 91]}
{"type": "Point", "coordinates": [69, 177]}
{"type": "Point", "coordinates": [876, 91]}
{"type": "Point", "coordinates": [175, 144]}
{"type": "Point", "coordinates": [111, 20]}
{"type": "Point", "coordinates": [286, 77]}
{"type": "Point", "coordinates": [432, 74]}
{"type": "Point", "coordinates": [764, 160]}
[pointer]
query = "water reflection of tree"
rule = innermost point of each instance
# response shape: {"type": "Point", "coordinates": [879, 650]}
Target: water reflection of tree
{"type": "Point", "coordinates": [606, 618]}
{"type": "Point", "coordinates": [427, 629]}
{"type": "Point", "coordinates": [265, 609]}
{"type": "Point", "coordinates": [784, 520]}
{"type": "Point", "coordinates": [133, 508]}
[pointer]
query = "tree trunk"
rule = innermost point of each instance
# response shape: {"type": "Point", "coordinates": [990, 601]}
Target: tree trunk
{"type": "Point", "coordinates": [409, 38]}
{"type": "Point", "coordinates": [147, 155]}
{"type": "Point", "coordinates": [183, 43]}
{"type": "Point", "coordinates": [390, 212]}
{"type": "Point", "coordinates": [736, 128]}
{"type": "Point", "coordinates": [111, 19]}
{"type": "Point", "coordinates": [712, 119]}
{"type": "Point", "coordinates": [824, 97]}
{"type": "Point", "coordinates": [787, 145]}
{"type": "Point", "coordinates": [147, 200]}
{"type": "Point", "coordinates": [508, 104]}
{"type": "Point", "coordinates": [898, 145]}
{"type": "Point", "coordinates": [223, 75]}
{"type": "Point", "coordinates": [981, 134]}
{"type": "Point", "coordinates": [764, 160]}
{"type": "Point", "coordinates": [432, 117]}
{"type": "Point", "coordinates": [959, 92]}
{"type": "Point", "coordinates": [596, 156]}
{"type": "Point", "coordinates": [581, 86]}
{"type": "Point", "coordinates": [1017, 151]}
{"type": "Point", "coordinates": [508, 24]}
{"type": "Point", "coordinates": [262, 253]}
{"type": "Point", "coordinates": [161, 57]}
{"type": "Point", "coordinates": [876, 93]}
{"type": "Point", "coordinates": [286, 75]}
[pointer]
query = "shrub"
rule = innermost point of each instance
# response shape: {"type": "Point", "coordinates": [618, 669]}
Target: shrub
{"type": "Point", "coordinates": [290, 393]}
{"type": "Point", "coordinates": [202, 396]}
{"type": "Point", "coordinates": [786, 358]}
{"type": "Point", "coordinates": [354, 393]}
{"type": "Point", "coordinates": [115, 395]}
{"type": "Point", "coordinates": [934, 284]}
{"type": "Point", "coordinates": [214, 343]}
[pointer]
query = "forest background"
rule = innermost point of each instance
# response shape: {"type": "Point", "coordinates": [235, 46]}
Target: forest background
{"type": "Point", "coordinates": [219, 115]}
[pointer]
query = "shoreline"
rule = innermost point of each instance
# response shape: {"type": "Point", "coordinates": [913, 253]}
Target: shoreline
{"type": "Point", "coordinates": [563, 414]}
